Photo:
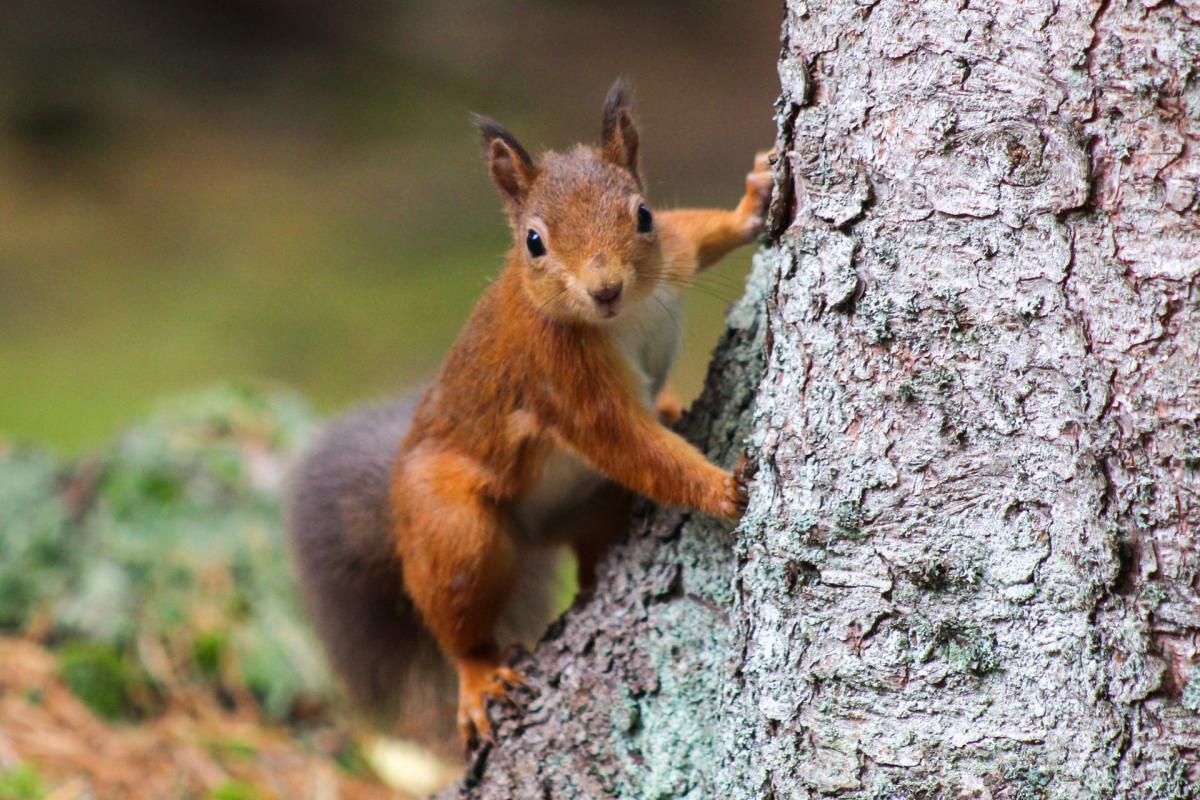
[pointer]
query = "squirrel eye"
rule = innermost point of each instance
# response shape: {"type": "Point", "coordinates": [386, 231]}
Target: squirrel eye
{"type": "Point", "coordinates": [533, 241]}
{"type": "Point", "coordinates": [645, 220]}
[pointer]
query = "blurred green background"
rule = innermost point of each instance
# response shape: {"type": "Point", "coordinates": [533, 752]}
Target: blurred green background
{"type": "Point", "coordinates": [289, 191]}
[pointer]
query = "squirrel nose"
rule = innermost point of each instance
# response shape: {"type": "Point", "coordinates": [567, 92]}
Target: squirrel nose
{"type": "Point", "coordinates": [607, 293]}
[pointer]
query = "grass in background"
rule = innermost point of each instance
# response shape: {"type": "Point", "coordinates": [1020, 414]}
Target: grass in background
{"type": "Point", "coordinates": [216, 255]}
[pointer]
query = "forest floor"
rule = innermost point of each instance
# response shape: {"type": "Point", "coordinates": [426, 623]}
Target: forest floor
{"type": "Point", "coordinates": [152, 643]}
{"type": "Point", "coordinates": [53, 746]}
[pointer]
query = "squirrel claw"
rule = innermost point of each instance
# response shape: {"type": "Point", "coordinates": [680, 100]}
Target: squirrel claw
{"type": "Point", "coordinates": [762, 161]}
{"type": "Point", "coordinates": [511, 681]}
{"type": "Point", "coordinates": [474, 728]}
{"type": "Point", "coordinates": [498, 683]}
{"type": "Point", "coordinates": [759, 180]}
{"type": "Point", "coordinates": [743, 471]}
{"type": "Point", "coordinates": [736, 490]}
{"type": "Point", "coordinates": [758, 194]}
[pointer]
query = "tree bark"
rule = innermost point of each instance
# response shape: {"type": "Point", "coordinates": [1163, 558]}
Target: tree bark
{"type": "Point", "coordinates": [968, 369]}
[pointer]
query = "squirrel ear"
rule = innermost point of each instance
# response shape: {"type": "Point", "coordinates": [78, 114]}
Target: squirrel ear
{"type": "Point", "coordinates": [619, 140]}
{"type": "Point", "coordinates": [511, 167]}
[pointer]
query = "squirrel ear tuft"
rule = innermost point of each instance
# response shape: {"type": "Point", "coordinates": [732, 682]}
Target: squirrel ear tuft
{"type": "Point", "coordinates": [509, 163]}
{"type": "Point", "coordinates": [619, 138]}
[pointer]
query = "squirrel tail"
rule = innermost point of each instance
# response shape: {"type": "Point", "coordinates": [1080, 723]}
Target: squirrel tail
{"type": "Point", "coordinates": [339, 523]}
{"type": "Point", "coordinates": [340, 526]}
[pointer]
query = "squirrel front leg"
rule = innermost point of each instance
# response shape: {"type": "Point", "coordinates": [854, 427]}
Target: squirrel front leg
{"type": "Point", "coordinates": [596, 414]}
{"type": "Point", "coordinates": [657, 463]}
{"type": "Point", "coordinates": [696, 238]}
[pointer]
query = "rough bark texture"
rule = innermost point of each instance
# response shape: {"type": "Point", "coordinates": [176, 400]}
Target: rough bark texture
{"type": "Point", "coordinates": [968, 367]}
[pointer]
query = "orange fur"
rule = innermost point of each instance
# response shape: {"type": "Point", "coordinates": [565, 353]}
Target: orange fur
{"type": "Point", "coordinates": [537, 368]}
{"type": "Point", "coordinates": [669, 406]}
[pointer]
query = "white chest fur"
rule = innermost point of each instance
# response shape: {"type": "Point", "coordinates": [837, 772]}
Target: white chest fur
{"type": "Point", "coordinates": [648, 338]}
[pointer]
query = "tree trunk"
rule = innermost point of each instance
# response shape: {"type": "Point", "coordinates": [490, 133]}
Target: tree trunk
{"type": "Point", "coordinates": [967, 368]}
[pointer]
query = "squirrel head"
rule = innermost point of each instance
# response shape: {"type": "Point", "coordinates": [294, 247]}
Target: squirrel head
{"type": "Point", "coordinates": [584, 235]}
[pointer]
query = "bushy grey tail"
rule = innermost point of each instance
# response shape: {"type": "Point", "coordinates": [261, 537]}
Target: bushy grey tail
{"type": "Point", "coordinates": [340, 526]}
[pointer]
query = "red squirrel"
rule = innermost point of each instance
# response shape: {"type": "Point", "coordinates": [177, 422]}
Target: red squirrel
{"type": "Point", "coordinates": [413, 524]}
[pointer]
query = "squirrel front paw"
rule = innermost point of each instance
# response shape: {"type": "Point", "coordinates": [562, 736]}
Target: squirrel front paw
{"type": "Point", "coordinates": [735, 494]}
{"type": "Point", "coordinates": [753, 207]}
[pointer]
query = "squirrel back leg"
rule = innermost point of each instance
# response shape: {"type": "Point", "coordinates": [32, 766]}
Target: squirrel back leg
{"type": "Point", "coordinates": [669, 406]}
{"type": "Point", "coordinates": [460, 564]}
{"type": "Point", "coordinates": [602, 520]}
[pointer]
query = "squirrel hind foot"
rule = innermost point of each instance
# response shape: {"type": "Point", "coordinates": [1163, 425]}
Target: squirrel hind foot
{"type": "Point", "coordinates": [479, 683]}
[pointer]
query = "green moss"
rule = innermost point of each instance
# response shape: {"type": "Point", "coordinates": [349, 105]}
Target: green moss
{"type": "Point", "coordinates": [352, 761]}
{"type": "Point", "coordinates": [22, 782]}
{"type": "Point", "coordinates": [234, 748]}
{"type": "Point", "coordinates": [207, 653]}
{"type": "Point", "coordinates": [235, 790]}
{"type": "Point", "coordinates": [99, 676]}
